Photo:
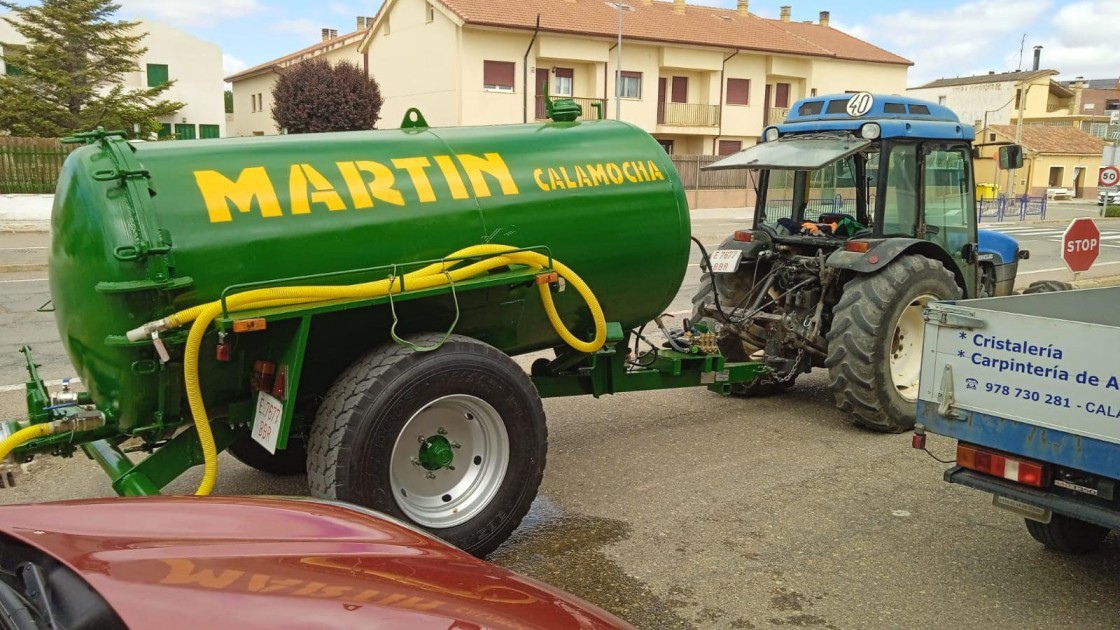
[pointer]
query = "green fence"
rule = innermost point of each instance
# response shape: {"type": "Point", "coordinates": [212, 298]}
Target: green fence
{"type": "Point", "coordinates": [31, 165]}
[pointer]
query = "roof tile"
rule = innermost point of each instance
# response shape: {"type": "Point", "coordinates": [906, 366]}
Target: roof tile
{"type": "Point", "coordinates": [1054, 139]}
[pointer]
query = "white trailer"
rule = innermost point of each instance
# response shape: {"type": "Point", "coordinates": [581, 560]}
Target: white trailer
{"type": "Point", "coordinates": [1029, 386]}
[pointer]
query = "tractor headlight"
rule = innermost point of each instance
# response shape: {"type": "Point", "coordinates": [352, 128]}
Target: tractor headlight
{"type": "Point", "coordinates": [870, 131]}
{"type": "Point", "coordinates": [770, 135]}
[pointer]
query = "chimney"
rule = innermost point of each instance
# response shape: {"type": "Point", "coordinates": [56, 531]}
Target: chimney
{"type": "Point", "coordinates": [334, 33]}
{"type": "Point", "coordinates": [744, 7]}
{"type": "Point", "coordinates": [824, 18]}
{"type": "Point", "coordinates": [678, 7]}
{"type": "Point", "coordinates": [1037, 56]}
{"type": "Point", "coordinates": [326, 34]}
{"type": "Point", "coordinates": [785, 13]}
{"type": "Point", "coordinates": [361, 23]}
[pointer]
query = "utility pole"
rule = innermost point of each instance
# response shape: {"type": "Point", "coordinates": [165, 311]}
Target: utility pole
{"type": "Point", "coordinates": [1011, 172]}
{"type": "Point", "coordinates": [618, 70]}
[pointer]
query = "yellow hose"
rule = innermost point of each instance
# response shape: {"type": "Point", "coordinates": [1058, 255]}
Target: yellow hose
{"type": "Point", "coordinates": [437, 274]}
{"type": "Point", "coordinates": [23, 436]}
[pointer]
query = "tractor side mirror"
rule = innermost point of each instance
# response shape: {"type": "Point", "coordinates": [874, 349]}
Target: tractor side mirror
{"type": "Point", "coordinates": [1010, 156]}
{"type": "Point", "coordinates": [969, 253]}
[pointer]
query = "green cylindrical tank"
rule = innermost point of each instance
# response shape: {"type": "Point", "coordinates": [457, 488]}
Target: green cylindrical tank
{"type": "Point", "coordinates": [143, 229]}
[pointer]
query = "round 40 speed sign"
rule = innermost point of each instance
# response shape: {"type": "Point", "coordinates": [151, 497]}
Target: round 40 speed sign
{"type": "Point", "coordinates": [1109, 177]}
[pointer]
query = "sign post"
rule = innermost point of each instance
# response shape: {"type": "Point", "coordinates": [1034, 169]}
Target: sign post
{"type": "Point", "coordinates": [1081, 244]}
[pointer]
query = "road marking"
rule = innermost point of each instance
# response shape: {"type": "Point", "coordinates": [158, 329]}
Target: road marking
{"type": "Point", "coordinates": [26, 280]}
{"type": "Point", "coordinates": [20, 387]}
{"type": "Point", "coordinates": [1100, 264]}
{"type": "Point", "coordinates": [20, 249]}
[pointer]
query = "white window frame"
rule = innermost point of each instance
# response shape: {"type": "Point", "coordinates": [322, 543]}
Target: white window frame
{"type": "Point", "coordinates": [625, 82]}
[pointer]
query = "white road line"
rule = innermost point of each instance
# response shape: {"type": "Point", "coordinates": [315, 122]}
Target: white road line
{"type": "Point", "coordinates": [1100, 264]}
{"type": "Point", "coordinates": [19, 387]}
{"type": "Point", "coordinates": [19, 249]}
{"type": "Point", "coordinates": [26, 280]}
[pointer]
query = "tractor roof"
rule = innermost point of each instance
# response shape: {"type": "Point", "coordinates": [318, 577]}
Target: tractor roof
{"type": "Point", "coordinates": [897, 117]}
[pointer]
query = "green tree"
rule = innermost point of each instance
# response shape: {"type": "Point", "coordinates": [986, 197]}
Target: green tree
{"type": "Point", "coordinates": [72, 71]}
{"type": "Point", "coordinates": [229, 101]}
{"type": "Point", "coordinates": [315, 96]}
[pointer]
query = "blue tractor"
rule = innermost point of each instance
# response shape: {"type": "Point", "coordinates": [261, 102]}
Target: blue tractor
{"type": "Point", "coordinates": [865, 213]}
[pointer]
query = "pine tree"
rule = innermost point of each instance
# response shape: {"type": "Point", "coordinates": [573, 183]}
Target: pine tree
{"type": "Point", "coordinates": [70, 74]}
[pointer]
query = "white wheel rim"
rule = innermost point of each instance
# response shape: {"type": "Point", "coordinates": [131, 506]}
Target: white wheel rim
{"type": "Point", "coordinates": [906, 348]}
{"type": "Point", "coordinates": [454, 494]}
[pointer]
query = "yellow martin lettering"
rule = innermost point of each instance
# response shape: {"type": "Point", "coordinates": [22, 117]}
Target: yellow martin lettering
{"type": "Point", "coordinates": [451, 174]}
{"type": "Point", "coordinates": [303, 175]}
{"type": "Point", "coordinates": [252, 184]}
{"type": "Point", "coordinates": [490, 164]}
{"type": "Point", "coordinates": [182, 571]}
{"type": "Point", "coordinates": [415, 168]}
{"type": "Point", "coordinates": [380, 187]}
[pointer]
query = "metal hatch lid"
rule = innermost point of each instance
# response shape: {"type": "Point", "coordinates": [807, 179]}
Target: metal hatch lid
{"type": "Point", "coordinates": [798, 152]}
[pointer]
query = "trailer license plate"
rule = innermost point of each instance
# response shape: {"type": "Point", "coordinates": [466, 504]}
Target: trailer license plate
{"type": "Point", "coordinates": [1033, 512]}
{"type": "Point", "coordinates": [725, 260]}
{"type": "Point", "coordinates": [266, 422]}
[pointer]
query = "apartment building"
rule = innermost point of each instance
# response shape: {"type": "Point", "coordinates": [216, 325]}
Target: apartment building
{"type": "Point", "coordinates": [702, 80]}
{"type": "Point", "coordinates": [195, 65]}
{"type": "Point", "coordinates": [252, 88]}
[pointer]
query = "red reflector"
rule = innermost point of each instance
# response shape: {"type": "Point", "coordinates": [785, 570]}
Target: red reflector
{"type": "Point", "coordinates": [918, 441]}
{"type": "Point", "coordinates": [743, 236]}
{"type": "Point", "coordinates": [858, 247]}
{"type": "Point", "coordinates": [999, 465]}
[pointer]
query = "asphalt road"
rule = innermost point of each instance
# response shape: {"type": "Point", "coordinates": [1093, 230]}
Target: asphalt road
{"type": "Point", "coordinates": [689, 510]}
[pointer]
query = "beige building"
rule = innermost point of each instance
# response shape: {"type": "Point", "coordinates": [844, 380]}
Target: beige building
{"type": "Point", "coordinates": [252, 88]}
{"type": "Point", "coordinates": [702, 80]}
{"type": "Point", "coordinates": [1055, 158]}
{"type": "Point", "coordinates": [195, 65]}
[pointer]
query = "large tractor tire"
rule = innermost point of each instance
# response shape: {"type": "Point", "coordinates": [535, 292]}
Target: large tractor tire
{"type": "Point", "coordinates": [1067, 535]}
{"type": "Point", "coordinates": [452, 440]}
{"type": "Point", "coordinates": [733, 347]}
{"type": "Point", "coordinates": [875, 343]}
{"type": "Point", "coordinates": [1047, 286]}
{"type": "Point", "coordinates": [290, 461]}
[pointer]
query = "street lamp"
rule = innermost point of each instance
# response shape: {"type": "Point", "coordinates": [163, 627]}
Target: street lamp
{"type": "Point", "coordinates": [618, 70]}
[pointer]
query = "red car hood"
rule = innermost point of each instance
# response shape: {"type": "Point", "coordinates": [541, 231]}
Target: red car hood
{"type": "Point", "coordinates": [235, 562]}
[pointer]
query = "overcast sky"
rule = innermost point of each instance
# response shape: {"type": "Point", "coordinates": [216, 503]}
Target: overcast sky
{"type": "Point", "coordinates": [944, 39]}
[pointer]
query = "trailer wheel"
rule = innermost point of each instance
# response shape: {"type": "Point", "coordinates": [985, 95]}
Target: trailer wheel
{"type": "Point", "coordinates": [875, 343]}
{"type": "Point", "coordinates": [452, 440]}
{"type": "Point", "coordinates": [289, 461]}
{"type": "Point", "coordinates": [1068, 535]}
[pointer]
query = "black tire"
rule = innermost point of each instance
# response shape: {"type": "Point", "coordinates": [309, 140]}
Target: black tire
{"type": "Point", "coordinates": [734, 348]}
{"type": "Point", "coordinates": [862, 339]}
{"type": "Point", "coordinates": [1067, 535]}
{"type": "Point", "coordinates": [1047, 286]}
{"type": "Point", "coordinates": [367, 409]}
{"type": "Point", "coordinates": [289, 461]}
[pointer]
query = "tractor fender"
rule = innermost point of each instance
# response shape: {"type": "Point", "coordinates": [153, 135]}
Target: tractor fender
{"type": "Point", "coordinates": [883, 252]}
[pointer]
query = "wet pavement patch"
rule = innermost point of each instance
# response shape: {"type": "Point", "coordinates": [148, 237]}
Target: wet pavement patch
{"type": "Point", "coordinates": [566, 551]}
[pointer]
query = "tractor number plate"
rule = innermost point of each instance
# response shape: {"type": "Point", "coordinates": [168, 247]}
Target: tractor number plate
{"type": "Point", "coordinates": [725, 260]}
{"type": "Point", "coordinates": [266, 422]}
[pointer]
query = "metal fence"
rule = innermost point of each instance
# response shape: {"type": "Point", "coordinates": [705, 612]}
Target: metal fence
{"type": "Point", "coordinates": [31, 165]}
{"type": "Point", "coordinates": [1010, 208]}
{"type": "Point", "coordinates": [689, 167]}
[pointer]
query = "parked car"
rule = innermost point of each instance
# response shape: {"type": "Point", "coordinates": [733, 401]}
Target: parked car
{"type": "Point", "coordinates": [1110, 195]}
{"type": "Point", "coordinates": [265, 562]}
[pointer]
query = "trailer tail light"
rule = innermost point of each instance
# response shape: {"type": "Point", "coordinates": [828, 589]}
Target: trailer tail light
{"type": "Point", "coordinates": [999, 465]}
{"type": "Point", "coordinates": [859, 247]}
{"type": "Point", "coordinates": [743, 236]}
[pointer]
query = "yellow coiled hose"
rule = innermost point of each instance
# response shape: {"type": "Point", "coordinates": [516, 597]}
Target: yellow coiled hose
{"type": "Point", "coordinates": [24, 435]}
{"type": "Point", "coordinates": [434, 275]}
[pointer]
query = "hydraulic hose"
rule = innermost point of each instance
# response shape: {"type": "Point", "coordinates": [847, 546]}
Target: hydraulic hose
{"type": "Point", "coordinates": [437, 274]}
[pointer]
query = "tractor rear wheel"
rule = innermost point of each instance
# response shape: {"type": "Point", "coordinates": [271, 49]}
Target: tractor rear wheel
{"type": "Point", "coordinates": [1067, 535]}
{"type": "Point", "coordinates": [875, 343]}
{"type": "Point", "coordinates": [452, 440]}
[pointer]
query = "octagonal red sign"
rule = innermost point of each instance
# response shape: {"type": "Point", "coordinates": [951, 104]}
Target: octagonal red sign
{"type": "Point", "coordinates": [1081, 244]}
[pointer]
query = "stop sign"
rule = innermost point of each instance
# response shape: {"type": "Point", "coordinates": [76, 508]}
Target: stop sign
{"type": "Point", "coordinates": [1080, 244]}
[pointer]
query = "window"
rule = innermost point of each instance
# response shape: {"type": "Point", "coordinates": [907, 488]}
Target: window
{"type": "Point", "coordinates": [498, 75]}
{"type": "Point", "coordinates": [260, 102]}
{"type": "Point", "coordinates": [1112, 105]}
{"type": "Point", "coordinates": [253, 100]}
{"type": "Point", "coordinates": [431, 12]}
{"type": "Point", "coordinates": [730, 147]}
{"type": "Point", "coordinates": [900, 210]}
{"type": "Point", "coordinates": [941, 100]}
{"type": "Point", "coordinates": [781, 95]}
{"type": "Point", "coordinates": [667, 145]}
{"type": "Point", "coordinates": [947, 197]}
{"type": "Point", "coordinates": [680, 90]}
{"type": "Point", "coordinates": [1018, 96]}
{"type": "Point", "coordinates": [1057, 175]}
{"type": "Point", "coordinates": [185, 132]}
{"type": "Point", "coordinates": [813, 92]}
{"type": "Point", "coordinates": [893, 108]}
{"type": "Point", "coordinates": [810, 108]}
{"type": "Point", "coordinates": [738, 91]}
{"type": "Point", "coordinates": [207, 132]}
{"type": "Point", "coordinates": [562, 85]}
{"type": "Point", "coordinates": [164, 131]}
{"type": "Point", "coordinates": [919, 109]}
{"type": "Point", "coordinates": [1090, 106]}
{"type": "Point", "coordinates": [630, 85]}
{"type": "Point", "coordinates": [991, 137]}
{"type": "Point", "coordinates": [157, 74]}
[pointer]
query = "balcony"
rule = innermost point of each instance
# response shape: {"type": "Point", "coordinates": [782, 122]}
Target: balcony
{"type": "Point", "coordinates": [587, 104]}
{"type": "Point", "coordinates": [687, 115]}
{"type": "Point", "coordinates": [775, 115]}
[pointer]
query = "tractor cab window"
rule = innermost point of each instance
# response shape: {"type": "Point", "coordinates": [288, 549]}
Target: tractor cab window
{"type": "Point", "coordinates": [947, 197]}
{"type": "Point", "coordinates": [833, 194]}
{"type": "Point", "coordinates": [900, 201]}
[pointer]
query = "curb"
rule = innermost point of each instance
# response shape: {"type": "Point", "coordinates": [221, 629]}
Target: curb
{"type": "Point", "coordinates": [1097, 283]}
{"type": "Point", "coordinates": [23, 267]}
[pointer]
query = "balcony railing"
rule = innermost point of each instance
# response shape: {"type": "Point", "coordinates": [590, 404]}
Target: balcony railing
{"type": "Point", "coordinates": [687, 115]}
{"type": "Point", "coordinates": [589, 110]}
{"type": "Point", "coordinates": [775, 115]}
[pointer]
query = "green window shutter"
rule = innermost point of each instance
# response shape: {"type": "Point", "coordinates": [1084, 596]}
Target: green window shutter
{"type": "Point", "coordinates": [12, 70]}
{"type": "Point", "coordinates": [209, 131]}
{"type": "Point", "coordinates": [185, 132]}
{"type": "Point", "coordinates": [157, 74]}
{"type": "Point", "coordinates": [164, 130]}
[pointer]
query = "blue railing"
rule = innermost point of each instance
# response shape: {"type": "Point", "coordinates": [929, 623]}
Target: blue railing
{"type": "Point", "coordinates": [1016, 208]}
